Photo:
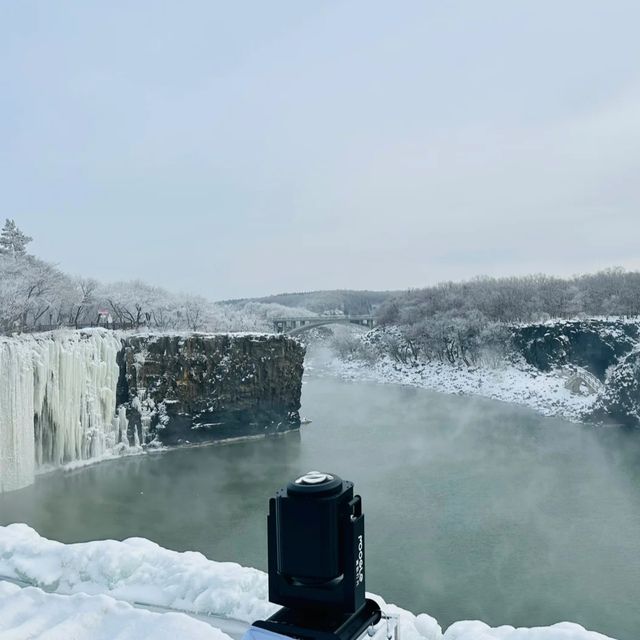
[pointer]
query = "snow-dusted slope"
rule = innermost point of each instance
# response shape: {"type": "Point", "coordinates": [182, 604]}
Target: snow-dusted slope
{"type": "Point", "coordinates": [546, 393]}
{"type": "Point", "coordinates": [139, 571]}
{"type": "Point", "coordinates": [57, 401]}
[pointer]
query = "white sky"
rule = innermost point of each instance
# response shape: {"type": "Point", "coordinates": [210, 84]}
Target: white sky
{"type": "Point", "coordinates": [245, 148]}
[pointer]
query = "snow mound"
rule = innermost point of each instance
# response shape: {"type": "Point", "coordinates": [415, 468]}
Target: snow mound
{"type": "Point", "coordinates": [139, 571]}
{"type": "Point", "coordinates": [475, 630]}
{"type": "Point", "coordinates": [32, 613]}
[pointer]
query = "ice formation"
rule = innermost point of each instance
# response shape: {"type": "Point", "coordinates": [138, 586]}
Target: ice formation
{"type": "Point", "coordinates": [57, 401]}
{"type": "Point", "coordinates": [139, 571]}
{"type": "Point", "coordinates": [17, 446]}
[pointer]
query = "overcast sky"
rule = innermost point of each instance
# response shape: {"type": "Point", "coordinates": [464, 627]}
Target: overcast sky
{"type": "Point", "coordinates": [244, 148]}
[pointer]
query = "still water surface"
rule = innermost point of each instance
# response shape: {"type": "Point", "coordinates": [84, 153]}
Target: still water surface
{"type": "Point", "coordinates": [474, 508]}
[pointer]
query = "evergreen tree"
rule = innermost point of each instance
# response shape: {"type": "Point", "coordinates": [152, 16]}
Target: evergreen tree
{"type": "Point", "coordinates": [12, 241]}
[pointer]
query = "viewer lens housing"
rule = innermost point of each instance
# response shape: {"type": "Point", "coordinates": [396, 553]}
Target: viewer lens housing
{"type": "Point", "coordinates": [316, 544]}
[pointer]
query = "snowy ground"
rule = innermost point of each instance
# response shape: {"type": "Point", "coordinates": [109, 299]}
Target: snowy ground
{"type": "Point", "coordinates": [86, 591]}
{"type": "Point", "coordinates": [522, 384]}
{"type": "Point", "coordinates": [31, 613]}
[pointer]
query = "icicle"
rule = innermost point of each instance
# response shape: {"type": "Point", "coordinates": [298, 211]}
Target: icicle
{"type": "Point", "coordinates": [17, 455]}
{"type": "Point", "coordinates": [123, 426]}
{"type": "Point", "coordinates": [57, 402]}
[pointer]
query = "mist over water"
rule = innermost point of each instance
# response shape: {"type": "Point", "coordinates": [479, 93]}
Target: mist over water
{"type": "Point", "coordinates": [474, 508]}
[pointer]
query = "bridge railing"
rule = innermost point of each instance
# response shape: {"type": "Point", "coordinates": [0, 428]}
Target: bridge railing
{"type": "Point", "coordinates": [292, 323]}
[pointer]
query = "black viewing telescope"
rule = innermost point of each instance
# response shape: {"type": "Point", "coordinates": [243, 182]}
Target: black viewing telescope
{"type": "Point", "coordinates": [316, 562]}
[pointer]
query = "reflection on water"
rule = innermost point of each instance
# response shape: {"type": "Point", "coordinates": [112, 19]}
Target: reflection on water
{"type": "Point", "coordinates": [475, 509]}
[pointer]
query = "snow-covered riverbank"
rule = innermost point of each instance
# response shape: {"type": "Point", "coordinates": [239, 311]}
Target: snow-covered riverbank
{"type": "Point", "coordinates": [521, 384]}
{"type": "Point", "coordinates": [86, 590]}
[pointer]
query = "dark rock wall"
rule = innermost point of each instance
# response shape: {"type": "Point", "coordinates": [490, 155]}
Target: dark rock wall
{"type": "Point", "coordinates": [620, 401]}
{"type": "Point", "coordinates": [595, 345]}
{"type": "Point", "coordinates": [194, 388]}
{"type": "Point", "coordinates": [608, 349]}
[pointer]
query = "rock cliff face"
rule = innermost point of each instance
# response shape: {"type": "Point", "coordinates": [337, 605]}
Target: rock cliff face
{"type": "Point", "coordinates": [620, 400]}
{"type": "Point", "coordinates": [595, 345]}
{"type": "Point", "coordinates": [180, 389]}
{"type": "Point", "coordinates": [610, 350]}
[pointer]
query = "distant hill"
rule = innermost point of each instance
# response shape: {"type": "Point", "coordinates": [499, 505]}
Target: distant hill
{"type": "Point", "coordinates": [347, 301]}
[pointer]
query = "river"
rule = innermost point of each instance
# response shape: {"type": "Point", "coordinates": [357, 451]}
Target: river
{"type": "Point", "coordinates": [475, 509]}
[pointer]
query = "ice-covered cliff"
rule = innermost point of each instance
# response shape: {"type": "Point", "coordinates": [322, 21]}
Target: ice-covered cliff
{"type": "Point", "coordinates": [57, 401]}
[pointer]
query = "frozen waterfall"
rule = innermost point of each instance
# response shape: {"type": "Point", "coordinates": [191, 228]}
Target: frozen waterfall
{"type": "Point", "coordinates": [57, 401]}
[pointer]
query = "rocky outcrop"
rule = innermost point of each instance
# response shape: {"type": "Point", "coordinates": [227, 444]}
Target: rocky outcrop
{"type": "Point", "coordinates": [610, 350]}
{"type": "Point", "coordinates": [594, 345]}
{"type": "Point", "coordinates": [180, 389]}
{"type": "Point", "coordinates": [619, 403]}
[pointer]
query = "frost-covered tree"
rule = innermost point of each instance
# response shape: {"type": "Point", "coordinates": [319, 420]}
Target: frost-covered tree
{"type": "Point", "coordinates": [30, 292]}
{"type": "Point", "coordinates": [13, 241]}
{"type": "Point", "coordinates": [520, 299]}
{"type": "Point", "coordinates": [35, 294]}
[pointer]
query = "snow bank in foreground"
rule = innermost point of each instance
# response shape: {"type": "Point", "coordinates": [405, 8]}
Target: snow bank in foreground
{"type": "Point", "coordinates": [475, 630]}
{"type": "Point", "coordinates": [137, 570]}
{"type": "Point", "coordinates": [525, 385]}
{"type": "Point", "coordinates": [32, 613]}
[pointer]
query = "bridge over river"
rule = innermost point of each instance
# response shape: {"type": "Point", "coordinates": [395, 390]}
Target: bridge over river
{"type": "Point", "coordinates": [298, 324]}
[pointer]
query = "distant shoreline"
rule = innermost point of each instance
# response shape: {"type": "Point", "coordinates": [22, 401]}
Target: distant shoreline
{"type": "Point", "coordinates": [523, 385]}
